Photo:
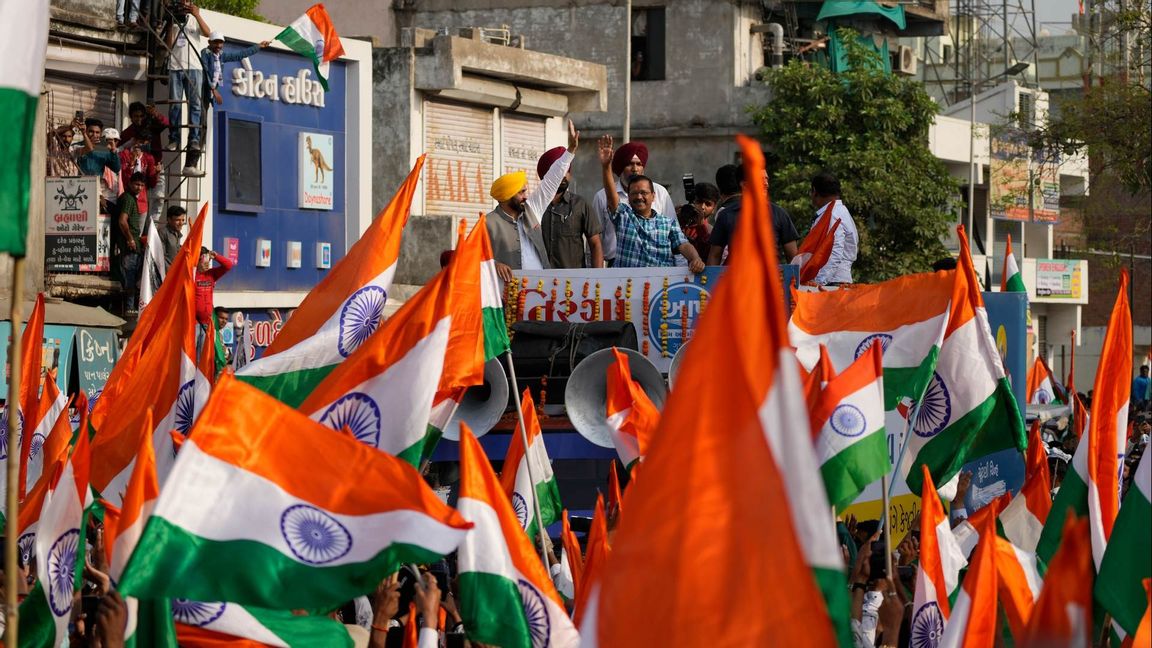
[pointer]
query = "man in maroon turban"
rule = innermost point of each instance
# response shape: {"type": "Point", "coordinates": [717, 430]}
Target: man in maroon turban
{"type": "Point", "coordinates": [570, 227]}
{"type": "Point", "coordinates": [628, 160]}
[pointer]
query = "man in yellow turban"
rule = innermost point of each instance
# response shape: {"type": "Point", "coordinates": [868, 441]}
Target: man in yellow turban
{"type": "Point", "coordinates": [514, 226]}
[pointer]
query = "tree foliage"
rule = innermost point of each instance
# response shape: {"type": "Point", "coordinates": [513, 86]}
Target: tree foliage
{"type": "Point", "coordinates": [870, 129]}
{"type": "Point", "coordinates": [239, 8]}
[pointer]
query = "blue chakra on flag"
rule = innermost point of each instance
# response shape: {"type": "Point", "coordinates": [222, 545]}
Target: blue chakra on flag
{"type": "Point", "coordinates": [360, 317]}
{"type": "Point", "coordinates": [927, 627]}
{"type": "Point", "coordinates": [1043, 396]}
{"type": "Point", "coordinates": [62, 572]}
{"type": "Point", "coordinates": [847, 420]}
{"type": "Point", "coordinates": [93, 398]}
{"type": "Point", "coordinates": [536, 613]}
{"type": "Point", "coordinates": [885, 342]}
{"type": "Point", "coordinates": [4, 431]}
{"type": "Point", "coordinates": [359, 413]}
{"type": "Point", "coordinates": [186, 407]}
{"type": "Point", "coordinates": [37, 445]}
{"type": "Point", "coordinates": [196, 613]}
{"type": "Point", "coordinates": [26, 546]}
{"type": "Point", "coordinates": [935, 409]}
{"type": "Point", "coordinates": [520, 506]}
{"type": "Point", "coordinates": [314, 536]}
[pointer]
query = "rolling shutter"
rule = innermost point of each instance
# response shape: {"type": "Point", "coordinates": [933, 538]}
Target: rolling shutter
{"type": "Point", "coordinates": [459, 141]}
{"type": "Point", "coordinates": [66, 96]}
{"type": "Point", "coordinates": [523, 139]}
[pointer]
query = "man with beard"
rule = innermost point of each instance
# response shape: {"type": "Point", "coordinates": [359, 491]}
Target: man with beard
{"type": "Point", "coordinates": [628, 160]}
{"type": "Point", "coordinates": [571, 229]}
{"type": "Point", "coordinates": [514, 226]}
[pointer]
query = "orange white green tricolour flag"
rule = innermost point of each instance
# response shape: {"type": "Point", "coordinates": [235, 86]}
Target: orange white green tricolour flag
{"type": "Point", "coordinates": [314, 37]}
{"type": "Point", "coordinates": [973, 621]}
{"type": "Point", "coordinates": [527, 474]}
{"type": "Point", "coordinates": [630, 412]}
{"type": "Point", "coordinates": [163, 378]}
{"type": "Point", "coordinates": [1041, 388]}
{"type": "Point", "coordinates": [816, 249]}
{"type": "Point", "coordinates": [1010, 279]}
{"type": "Point", "coordinates": [52, 407]}
{"type": "Point", "coordinates": [507, 597]}
{"type": "Point", "coordinates": [938, 572]}
{"type": "Point", "coordinates": [298, 513]}
{"type": "Point", "coordinates": [1127, 566]}
{"type": "Point", "coordinates": [1024, 517]}
{"type": "Point", "coordinates": [726, 445]}
{"type": "Point", "coordinates": [1062, 616]}
{"type": "Point", "coordinates": [341, 312]}
{"type": "Point", "coordinates": [22, 416]}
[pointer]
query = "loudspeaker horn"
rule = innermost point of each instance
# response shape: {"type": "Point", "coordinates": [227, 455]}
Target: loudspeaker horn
{"type": "Point", "coordinates": [482, 405]}
{"type": "Point", "coordinates": [586, 395]}
{"type": "Point", "coordinates": [675, 366]}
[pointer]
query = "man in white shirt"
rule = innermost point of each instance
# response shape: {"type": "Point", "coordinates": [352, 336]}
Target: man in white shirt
{"type": "Point", "coordinates": [838, 270]}
{"type": "Point", "coordinates": [628, 160]}
{"type": "Point", "coordinates": [514, 226]}
{"type": "Point", "coordinates": [186, 79]}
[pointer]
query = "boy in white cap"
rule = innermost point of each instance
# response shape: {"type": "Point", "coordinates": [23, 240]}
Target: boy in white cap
{"type": "Point", "coordinates": [214, 58]}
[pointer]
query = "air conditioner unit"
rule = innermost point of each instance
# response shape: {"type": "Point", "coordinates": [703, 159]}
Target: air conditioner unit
{"type": "Point", "coordinates": [906, 61]}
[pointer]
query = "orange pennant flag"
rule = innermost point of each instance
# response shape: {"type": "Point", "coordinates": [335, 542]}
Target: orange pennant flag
{"type": "Point", "coordinates": [1062, 615]}
{"type": "Point", "coordinates": [24, 414]}
{"type": "Point", "coordinates": [615, 494]}
{"type": "Point", "coordinates": [596, 555]}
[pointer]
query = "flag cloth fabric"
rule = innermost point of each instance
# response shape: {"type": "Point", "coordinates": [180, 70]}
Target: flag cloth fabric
{"type": "Point", "coordinates": [967, 532]}
{"type": "Point", "coordinates": [595, 558]}
{"type": "Point", "coordinates": [852, 446]}
{"type": "Point", "coordinates": [297, 512]}
{"type": "Point", "coordinates": [53, 405]}
{"type": "Point", "coordinates": [153, 266]}
{"type": "Point", "coordinates": [968, 409]}
{"type": "Point", "coordinates": [1010, 279]}
{"type": "Point", "coordinates": [314, 37]}
{"type": "Point", "coordinates": [1143, 636]}
{"type": "Point", "coordinates": [1018, 583]}
{"type": "Point", "coordinates": [341, 312]}
{"type": "Point", "coordinates": [1062, 615]}
{"type": "Point", "coordinates": [973, 621]}
{"type": "Point", "coordinates": [45, 614]}
{"type": "Point", "coordinates": [1091, 486]}
{"type": "Point", "coordinates": [506, 596]}
{"type": "Point", "coordinates": [938, 572]}
{"type": "Point", "coordinates": [24, 414]}
{"type": "Point", "coordinates": [814, 383]}
{"type": "Point", "coordinates": [55, 453]}
{"type": "Point", "coordinates": [725, 470]}
{"type": "Point", "coordinates": [1127, 562]}
{"type": "Point", "coordinates": [1024, 517]}
{"type": "Point", "coordinates": [384, 393]}
{"type": "Point", "coordinates": [527, 473]}
{"type": "Point", "coordinates": [816, 248]}
{"type": "Point", "coordinates": [615, 493]}
{"type": "Point", "coordinates": [195, 620]}
{"type": "Point", "coordinates": [631, 414]}
{"type": "Point", "coordinates": [1041, 385]}
{"type": "Point", "coordinates": [572, 553]}
{"type": "Point", "coordinates": [23, 42]}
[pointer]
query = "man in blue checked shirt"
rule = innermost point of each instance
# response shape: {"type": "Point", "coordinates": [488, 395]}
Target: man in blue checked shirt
{"type": "Point", "coordinates": [645, 238]}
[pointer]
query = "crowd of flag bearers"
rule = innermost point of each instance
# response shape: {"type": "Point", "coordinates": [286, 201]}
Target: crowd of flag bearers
{"type": "Point", "coordinates": [199, 508]}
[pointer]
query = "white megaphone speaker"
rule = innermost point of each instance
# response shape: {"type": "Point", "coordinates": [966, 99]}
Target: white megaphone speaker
{"type": "Point", "coordinates": [675, 366]}
{"type": "Point", "coordinates": [586, 395]}
{"type": "Point", "coordinates": [483, 405]}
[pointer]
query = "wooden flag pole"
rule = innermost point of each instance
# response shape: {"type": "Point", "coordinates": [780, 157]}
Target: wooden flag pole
{"type": "Point", "coordinates": [527, 460]}
{"type": "Point", "coordinates": [11, 506]}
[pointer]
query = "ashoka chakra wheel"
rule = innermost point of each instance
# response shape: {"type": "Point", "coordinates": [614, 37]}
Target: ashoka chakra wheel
{"type": "Point", "coordinates": [313, 536]}
{"type": "Point", "coordinates": [359, 318]}
{"type": "Point", "coordinates": [536, 613]}
{"type": "Point", "coordinates": [359, 413]}
{"type": "Point", "coordinates": [847, 420]}
{"type": "Point", "coordinates": [885, 342]}
{"type": "Point", "coordinates": [62, 572]}
{"type": "Point", "coordinates": [935, 409]}
{"type": "Point", "coordinates": [520, 506]}
{"type": "Point", "coordinates": [196, 613]}
{"type": "Point", "coordinates": [927, 627]}
{"type": "Point", "coordinates": [186, 407]}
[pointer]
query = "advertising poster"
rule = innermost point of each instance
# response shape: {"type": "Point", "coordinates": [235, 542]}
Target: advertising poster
{"type": "Point", "coordinates": [71, 209]}
{"type": "Point", "coordinates": [317, 172]}
{"type": "Point", "coordinates": [1059, 279]}
{"type": "Point", "coordinates": [1008, 177]}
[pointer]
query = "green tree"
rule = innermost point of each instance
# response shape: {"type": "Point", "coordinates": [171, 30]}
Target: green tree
{"type": "Point", "coordinates": [870, 129]}
{"type": "Point", "coordinates": [239, 8]}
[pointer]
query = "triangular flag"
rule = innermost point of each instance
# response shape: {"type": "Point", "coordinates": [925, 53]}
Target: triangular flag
{"type": "Point", "coordinates": [522, 488]}
{"type": "Point", "coordinates": [726, 446]}
{"type": "Point", "coordinates": [1062, 615]}
{"type": "Point", "coordinates": [341, 312]}
{"type": "Point", "coordinates": [631, 414]}
{"type": "Point", "coordinates": [507, 598]}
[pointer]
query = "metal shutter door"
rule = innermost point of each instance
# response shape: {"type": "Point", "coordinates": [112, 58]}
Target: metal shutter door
{"type": "Point", "coordinates": [523, 139]}
{"type": "Point", "coordinates": [66, 96]}
{"type": "Point", "coordinates": [459, 142]}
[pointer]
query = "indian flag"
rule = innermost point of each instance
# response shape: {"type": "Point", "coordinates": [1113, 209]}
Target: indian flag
{"type": "Point", "coordinates": [1024, 517]}
{"type": "Point", "coordinates": [571, 556]}
{"type": "Point", "coordinates": [385, 391]}
{"type": "Point", "coordinates": [1062, 616]}
{"type": "Point", "coordinates": [814, 383]}
{"type": "Point", "coordinates": [23, 42]}
{"type": "Point", "coordinates": [340, 313]}
{"type": "Point", "coordinates": [938, 572]}
{"type": "Point", "coordinates": [968, 409]}
{"type": "Point", "coordinates": [221, 624]}
{"type": "Point", "coordinates": [527, 476]}
{"type": "Point", "coordinates": [507, 598]}
{"type": "Point", "coordinates": [55, 453]}
{"type": "Point", "coordinates": [31, 361]}
{"type": "Point", "coordinates": [1091, 487]}
{"type": "Point", "coordinates": [1127, 563]}
{"type": "Point", "coordinates": [1010, 279]}
{"type": "Point", "coordinates": [287, 508]}
{"type": "Point", "coordinates": [1041, 386]}
{"type": "Point", "coordinates": [1018, 583]}
{"type": "Point", "coordinates": [52, 407]}
{"type": "Point", "coordinates": [152, 272]}
{"type": "Point", "coordinates": [973, 622]}
{"type": "Point", "coordinates": [45, 614]}
{"type": "Point", "coordinates": [726, 469]}
{"type": "Point", "coordinates": [816, 249]}
{"type": "Point", "coordinates": [852, 448]}
{"type": "Point", "coordinates": [631, 414]}
{"type": "Point", "coordinates": [314, 37]}
{"type": "Point", "coordinates": [595, 557]}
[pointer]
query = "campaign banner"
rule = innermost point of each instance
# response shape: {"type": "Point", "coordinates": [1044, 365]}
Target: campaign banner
{"type": "Point", "coordinates": [665, 304]}
{"type": "Point", "coordinates": [71, 208]}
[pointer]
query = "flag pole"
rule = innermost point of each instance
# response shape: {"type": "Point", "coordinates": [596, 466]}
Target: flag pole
{"type": "Point", "coordinates": [11, 506]}
{"type": "Point", "coordinates": [527, 458]}
{"type": "Point", "coordinates": [886, 503]}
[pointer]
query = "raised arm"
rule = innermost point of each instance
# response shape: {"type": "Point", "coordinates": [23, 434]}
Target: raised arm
{"type": "Point", "coordinates": [539, 198]}
{"type": "Point", "coordinates": [604, 150]}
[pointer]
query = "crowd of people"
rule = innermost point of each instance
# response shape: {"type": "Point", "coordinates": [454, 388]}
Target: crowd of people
{"type": "Point", "coordinates": [632, 221]}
